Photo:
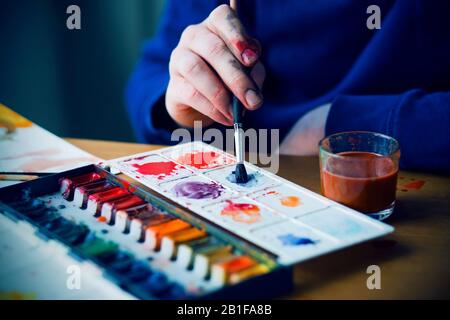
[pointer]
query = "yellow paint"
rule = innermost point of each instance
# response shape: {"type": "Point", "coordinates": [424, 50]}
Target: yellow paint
{"type": "Point", "coordinates": [12, 120]}
{"type": "Point", "coordinates": [17, 295]}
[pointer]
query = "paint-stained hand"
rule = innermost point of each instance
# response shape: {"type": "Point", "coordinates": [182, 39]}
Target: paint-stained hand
{"type": "Point", "coordinates": [210, 61]}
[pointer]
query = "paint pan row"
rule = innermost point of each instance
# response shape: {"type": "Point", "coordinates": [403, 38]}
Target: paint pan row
{"type": "Point", "coordinates": [158, 231]}
{"type": "Point", "coordinates": [135, 274]}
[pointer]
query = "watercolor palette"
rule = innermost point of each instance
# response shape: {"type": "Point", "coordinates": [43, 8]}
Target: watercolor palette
{"type": "Point", "coordinates": [175, 227]}
{"type": "Point", "coordinates": [263, 210]}
{"type": "Point", "coordinates": [127, 241]}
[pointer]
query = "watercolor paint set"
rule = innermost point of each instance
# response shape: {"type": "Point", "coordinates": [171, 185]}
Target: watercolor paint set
{"type": "Point", "coordinates": [175, 225]}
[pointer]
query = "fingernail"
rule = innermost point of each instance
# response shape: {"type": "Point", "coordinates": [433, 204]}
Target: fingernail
{"type": "Point", "coordinates": [249, 56]}
{"type": "Point", "coordinates": [253, 99]}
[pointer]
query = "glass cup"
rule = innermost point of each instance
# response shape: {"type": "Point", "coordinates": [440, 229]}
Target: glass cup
{"type": "Point", "coordinates": [359, 169]}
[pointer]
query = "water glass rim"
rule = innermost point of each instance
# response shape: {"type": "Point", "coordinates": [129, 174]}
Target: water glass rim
{"type": "Point", "coordinates": [384, 136]}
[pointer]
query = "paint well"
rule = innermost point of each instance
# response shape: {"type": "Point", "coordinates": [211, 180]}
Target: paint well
{"type": "Point", "coordinates": [242, 212]}
{"type": "Point", "coordinates": [198, 190]}
{"type": "Point", "coordinates": [164, 168]}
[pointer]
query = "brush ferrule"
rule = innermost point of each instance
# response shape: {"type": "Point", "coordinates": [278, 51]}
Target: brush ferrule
{"type": "Point", "coordinates": [239, 142]}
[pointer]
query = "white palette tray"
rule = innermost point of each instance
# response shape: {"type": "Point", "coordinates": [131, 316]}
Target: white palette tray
{"type": "Point", "coordinates": [286, 219]}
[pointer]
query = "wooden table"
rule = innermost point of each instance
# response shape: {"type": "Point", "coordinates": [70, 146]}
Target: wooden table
{"type": "Point", "coordinates": [414, 260]}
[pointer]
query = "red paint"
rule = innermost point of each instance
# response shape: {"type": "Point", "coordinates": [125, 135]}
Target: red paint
{"type": "Point", "coordinates": [137, 158]}
{"type": "Point", "coordinates": [243, 45]}
{"type": "Point", "coordinates": [127, 202]}
{"type": "Point", "coordinates": [68, 185]}
{"type": "Point", "coordinates": [361, 180]}
{"type": "Point", "coordinates": [156, 168]}
{"type": "Point", "coordinates": [418, 184]}
{"type": "Point", "coordinates": [200, 160]}
{"type": "Point", "coordinates": [109, 195]}
{"type": "Point", "coordinates": [249, 51]}
{"type": "Point", "coordinates": [101, 219]}
{"type": "Point", "coordinates": [242, 212]}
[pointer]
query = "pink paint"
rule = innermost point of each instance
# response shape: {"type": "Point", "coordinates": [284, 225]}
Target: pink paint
{"type": "Point", "coordinates": [249, 52]}
{"type": "Point", "coordinates": [249, 56]}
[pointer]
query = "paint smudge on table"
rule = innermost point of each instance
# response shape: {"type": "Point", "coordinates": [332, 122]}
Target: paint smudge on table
{"type": "Point", "coordinates": [198, 190]}
{"type": "Point", "coordinates": [290, 239]}
{"type": "Point", "coordinates": [242, 212]}
{"type": "Point", "coordinates": [412, 185]}
{"type": "Point", "coordinates": [416, 185]}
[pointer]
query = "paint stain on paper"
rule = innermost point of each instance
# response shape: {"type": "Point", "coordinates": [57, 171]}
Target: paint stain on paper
{"type": "Point", "coordinates": [242, 212]}
{"type": "Point", "coordinates": [290, 239]}
{"type": "Point", "coordinates": [198, 190]}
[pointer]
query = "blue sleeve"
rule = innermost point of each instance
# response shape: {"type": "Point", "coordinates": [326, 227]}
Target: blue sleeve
{"type": "Point", "coordinates": [144, 95]}
{"type": "Point", "coordinates": [420, 121]}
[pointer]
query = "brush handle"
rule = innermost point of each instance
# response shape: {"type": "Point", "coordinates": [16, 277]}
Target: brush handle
{"type": "Point", "coordinates": [238, 110]}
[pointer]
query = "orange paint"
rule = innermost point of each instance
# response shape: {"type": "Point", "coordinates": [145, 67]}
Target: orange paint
{"type": "Point", "coordinates": [361, 180]}
{"type": "Point", "coordinates": [290, 201]}
{"type": "Point", "coordinates": [187, 235]}
{"type": "Point", "coordinates": [237, 264]}
{"type": "Point", "coordinates": [163, 229]}
{"type": "Point", "coordinates": [242, 212]}
{"type": "Point", "coordinates": [101, 219]}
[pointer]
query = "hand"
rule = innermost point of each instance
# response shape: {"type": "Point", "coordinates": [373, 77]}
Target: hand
{"type": "Point", "coordinates": [207, 64]}
{"type": "Point", "coordinates": [303, 139]}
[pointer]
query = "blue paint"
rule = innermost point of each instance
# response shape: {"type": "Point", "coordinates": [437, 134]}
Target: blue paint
{"type": "Point", "coordinates": [157, 283]}
{"type": "Point", "coordinates": [122, 262]}
{"type": "Point", "coordinates": [252, 181]}
{"type": "Point", "coordinates": [293, 240]}
{"type": "Point", "coordinates": [139, 271]}
{"type": "Point", "coordinates": [176, 292]}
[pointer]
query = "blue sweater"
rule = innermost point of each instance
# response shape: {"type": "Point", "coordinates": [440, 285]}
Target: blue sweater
{"type": "Point", "coordinates": [395, 80]}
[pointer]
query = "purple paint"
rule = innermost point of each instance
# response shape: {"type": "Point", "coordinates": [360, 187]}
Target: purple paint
{"type": "Point", "coordinates": [198, 190]}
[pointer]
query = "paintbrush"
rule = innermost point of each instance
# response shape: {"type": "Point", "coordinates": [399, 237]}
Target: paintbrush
{"type": "Point", "coordinates": [22, 176]}
{"type": "Point", "coordinates": [240, 172]}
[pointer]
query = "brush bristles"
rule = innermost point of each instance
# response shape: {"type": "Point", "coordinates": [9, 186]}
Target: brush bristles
{"type": "Point", "coordinates": [240, 173]}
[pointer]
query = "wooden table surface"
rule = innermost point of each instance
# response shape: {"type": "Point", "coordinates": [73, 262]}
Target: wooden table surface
{"type": "Point", "coordinates": [414, 260]}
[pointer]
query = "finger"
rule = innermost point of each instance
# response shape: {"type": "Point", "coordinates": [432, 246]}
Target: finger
{"type": "Point", "coordinates": [213, 50]}
{"type": "Point", "coordinates": [186, 93]}
{"type": "Point", "coordinates": [195, 70]}
{"type": "Point", "coordinates": [224, 22]}
{"type": "Point", "coordinates": [258, 74]}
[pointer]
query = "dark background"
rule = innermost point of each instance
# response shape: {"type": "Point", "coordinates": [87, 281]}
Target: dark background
{"type": "Point", "coordinates": [72, 82]}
